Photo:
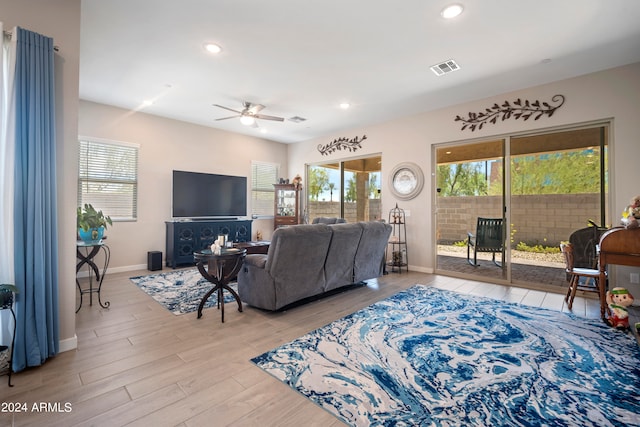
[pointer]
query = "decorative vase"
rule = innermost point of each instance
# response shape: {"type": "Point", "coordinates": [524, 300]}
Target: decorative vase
{"type": "Point", "coordinates": [91, 235]}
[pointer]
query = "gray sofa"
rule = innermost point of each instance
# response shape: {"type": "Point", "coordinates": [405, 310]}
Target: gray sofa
{"type": "Point", "coordinates": [309, 260]}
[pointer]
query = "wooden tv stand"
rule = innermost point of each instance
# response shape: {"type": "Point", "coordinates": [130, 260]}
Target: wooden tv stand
{"type": "Point", "coordinates": [186, 237]}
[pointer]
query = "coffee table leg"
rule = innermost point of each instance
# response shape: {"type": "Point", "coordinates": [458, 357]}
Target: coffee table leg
{"type": "Point", "coordinates": [235, 295]}
{"type": "Point", "coordinates": [205, 298]}
{"type": "Point", "coordinates": [221, 301]}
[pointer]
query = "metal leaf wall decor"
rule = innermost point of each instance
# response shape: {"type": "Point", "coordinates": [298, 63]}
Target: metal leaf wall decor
{"type": "Point", "coordinates": [519, 109]}
{"type": "Point", "coordinates": [341, 143]}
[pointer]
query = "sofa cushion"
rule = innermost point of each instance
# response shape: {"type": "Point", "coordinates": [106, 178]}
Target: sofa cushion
{"type": "Point", "coordinates": [296, 261]}
{"type": "Point", "coordinates": [341, 256]}
{"type": "Point", "coordinates": [369, 260]}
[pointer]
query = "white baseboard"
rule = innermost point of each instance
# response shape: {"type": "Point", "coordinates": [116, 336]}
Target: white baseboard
{"type": "Point", "coordinates": [85, 273]}
{"type": "Point", "coordinates": [127, 268]}
{"type": "Point", "coordinates": [428, 270]}
{"type": "Point", "coordinates": [68, 344]}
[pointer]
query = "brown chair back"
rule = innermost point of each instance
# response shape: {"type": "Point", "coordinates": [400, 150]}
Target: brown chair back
{"type": "Point", "coordinates": [567, 251]}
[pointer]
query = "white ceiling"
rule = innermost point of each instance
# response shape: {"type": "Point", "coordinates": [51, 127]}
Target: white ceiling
{"type": "Point", "coordinates": [304, 57]}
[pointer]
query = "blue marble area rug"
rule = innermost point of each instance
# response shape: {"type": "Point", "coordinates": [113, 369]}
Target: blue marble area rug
{"type": "Point", "coordinates": [180, 291]}
{"type": "Point", "coordinates": [428, 357]}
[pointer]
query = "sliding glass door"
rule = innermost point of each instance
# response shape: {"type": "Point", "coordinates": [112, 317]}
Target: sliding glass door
{"type": "Point", "coordinates": [558, 188]}
{"type": "Point", "coordinates": [470, 185]}
{"type": "Point", "coordinates": [554, 188]}
{"type": "Point", "coordinates": [347, 189]}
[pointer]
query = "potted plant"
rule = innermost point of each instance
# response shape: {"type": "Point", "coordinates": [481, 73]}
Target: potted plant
{"type": "Point", "coordinates": [91, 223]}
{"type": "Point", "coordinates": [6, 295]}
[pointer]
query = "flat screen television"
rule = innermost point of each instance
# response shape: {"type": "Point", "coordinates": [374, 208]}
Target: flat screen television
{"type": "Point", "coordinates": [206, 195]}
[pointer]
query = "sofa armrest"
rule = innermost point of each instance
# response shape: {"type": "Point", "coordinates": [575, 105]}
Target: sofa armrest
{"type": "Point", "coordinates": [255, 285]}
{"type": "Point", "coordinates": [256, 260]}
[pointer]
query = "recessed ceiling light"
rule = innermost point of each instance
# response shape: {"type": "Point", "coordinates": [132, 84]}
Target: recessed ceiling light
{"type": "Point", "coordinates": [345, 105]}
{"type": "Point", "coordinates": [147, 102]}
{"type": "Point", "coordinates": [263, 130]}
{"type": "Point", "coordinates": [212, 48]}
{"type": "Point", "coordinates": [452, 11]}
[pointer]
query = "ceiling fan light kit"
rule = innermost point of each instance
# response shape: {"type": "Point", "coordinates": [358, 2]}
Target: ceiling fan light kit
{"type": "Point", "coordinates": [247, 120]}
{"type": "Point", "coordinates": [249, 114]}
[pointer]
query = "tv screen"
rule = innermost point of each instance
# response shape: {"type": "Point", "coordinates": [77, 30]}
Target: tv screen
{"type": "Point", "coordinates": [205, 195]}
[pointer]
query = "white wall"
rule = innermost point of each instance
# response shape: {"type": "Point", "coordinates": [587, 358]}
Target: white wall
{"type": "Point", "coordinates": [612, 94]}
{"type": "Point", "coordinates": [59, 19]}
{"type": "Point", "coordinates": [166, 145]}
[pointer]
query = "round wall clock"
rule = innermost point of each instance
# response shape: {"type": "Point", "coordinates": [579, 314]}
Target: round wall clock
{"type": "Point", "coordinates": [407, 181]}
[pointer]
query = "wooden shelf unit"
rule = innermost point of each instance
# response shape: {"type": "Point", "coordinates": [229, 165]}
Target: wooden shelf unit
{"type": "Point", "coordinates": [286, 209]}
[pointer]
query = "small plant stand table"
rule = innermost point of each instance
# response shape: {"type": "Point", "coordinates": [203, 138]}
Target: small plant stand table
{"type": "Point", "coordinates": [86, 253]}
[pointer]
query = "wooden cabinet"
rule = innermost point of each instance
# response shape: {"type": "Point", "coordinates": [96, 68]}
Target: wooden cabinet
{"type": "Point", "coordinates": [186, 237]}
{"type": "Point", "coordinates": [286, 205]}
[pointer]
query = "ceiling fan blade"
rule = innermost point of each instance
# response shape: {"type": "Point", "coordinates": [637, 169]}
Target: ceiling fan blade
{"type": "Point", "coordinates": [265, 117]}
{"type": "Point", "coordinates": [230, 117]}
{"type": "Point", "coordinates": [227, 108]}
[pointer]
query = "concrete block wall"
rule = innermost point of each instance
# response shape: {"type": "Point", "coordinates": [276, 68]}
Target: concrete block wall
{"type": "Point", "coordinates": [541, 219]}
{"type": "Point", "coordinates": [332, 209]}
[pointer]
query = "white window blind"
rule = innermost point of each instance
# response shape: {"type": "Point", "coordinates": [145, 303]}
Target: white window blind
{"type": "Point", "coordinates": [108, 178]}
{"type": "Point", "coordinates": [263, 176]}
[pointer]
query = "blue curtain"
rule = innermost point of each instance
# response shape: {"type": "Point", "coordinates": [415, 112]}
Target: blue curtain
{"type": "Point", "coordinates": [35, 209]}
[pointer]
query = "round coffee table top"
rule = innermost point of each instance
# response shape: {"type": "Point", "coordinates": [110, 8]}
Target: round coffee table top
{"type": "Point", "coordinates": [224, 252]}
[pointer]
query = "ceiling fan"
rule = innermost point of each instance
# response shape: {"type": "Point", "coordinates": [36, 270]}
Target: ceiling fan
{"type": "Point", "coordinates": [249, 114]}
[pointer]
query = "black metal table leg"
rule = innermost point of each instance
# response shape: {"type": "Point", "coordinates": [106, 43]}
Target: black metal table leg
{"type": "Point", "coordinates": [94, 269]}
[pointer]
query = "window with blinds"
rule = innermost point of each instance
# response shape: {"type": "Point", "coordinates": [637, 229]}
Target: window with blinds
{"type": "Point", "coordinates": [108, 178]}
{"type": "Point", "coordinates": [263, 176]}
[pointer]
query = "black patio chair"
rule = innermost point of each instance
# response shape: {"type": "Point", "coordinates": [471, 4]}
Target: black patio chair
{"type": "Point", "coordinates": [585, 242]}
{"type": "Point", "coordinates": [489, 238]}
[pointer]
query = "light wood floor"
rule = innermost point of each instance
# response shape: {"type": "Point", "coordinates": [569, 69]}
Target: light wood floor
{"type": "Point", "coordinates": [138, 364]}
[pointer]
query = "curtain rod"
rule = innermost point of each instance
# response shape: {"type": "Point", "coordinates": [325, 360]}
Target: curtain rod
{"type": "Point", "coordinates": [9, 34]}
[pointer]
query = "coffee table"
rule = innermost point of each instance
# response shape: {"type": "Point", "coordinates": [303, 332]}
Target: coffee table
{"type": "Point", "coordinates": [220, 269]}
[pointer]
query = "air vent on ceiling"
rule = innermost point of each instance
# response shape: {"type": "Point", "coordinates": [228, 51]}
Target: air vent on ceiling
{"type": "Point", "coordinates": [297, 119]}
{"type": "Point", "coordinates": [445, 67]}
